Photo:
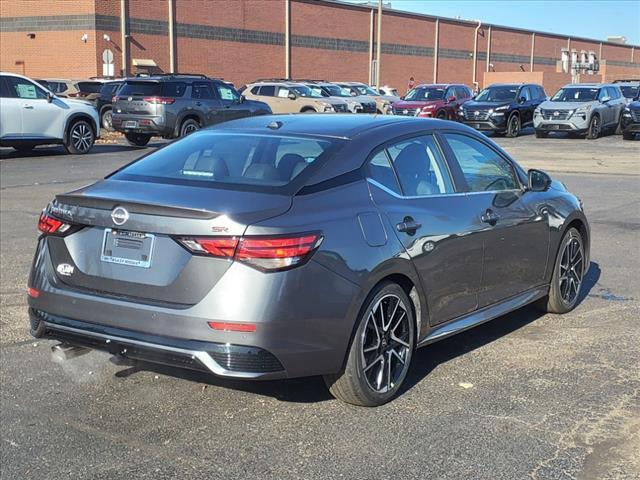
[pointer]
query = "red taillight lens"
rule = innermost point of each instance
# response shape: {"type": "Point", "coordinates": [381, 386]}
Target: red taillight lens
{"type": "Point", "coordinates": [160, 100]}
{"type": "Point", "coordinates": [233, 327]}
{"type": "Point", "coordinates": [264, 253]}
{"type": "Point", "coordinates": [47, 224]}
{"type": "Point", "coordinates": [33, 293]}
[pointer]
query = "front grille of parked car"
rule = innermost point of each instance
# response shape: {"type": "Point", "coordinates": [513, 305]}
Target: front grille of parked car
{"type": "Point", "coordinates": [635, 115]}
{"type": "Point", "coordinates": [407, 112]}
{"type": "Point", "coordinates": [368, 108]}
{"type": "Point", "coordinates": [482, 113]}
{"type": "Point", "coordinates": [555, 114]}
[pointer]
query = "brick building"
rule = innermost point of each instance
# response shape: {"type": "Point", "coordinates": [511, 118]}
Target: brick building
{"type": "Point", "coordinates": [241, 40]}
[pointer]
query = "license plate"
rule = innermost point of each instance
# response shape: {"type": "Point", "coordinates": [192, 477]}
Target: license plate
{"type": "Point", "coordinates": [554, 127]}
{"type": "Point", "coordinates": [131, 124]}
{"type": "Point", "coordinates": [127, 248]}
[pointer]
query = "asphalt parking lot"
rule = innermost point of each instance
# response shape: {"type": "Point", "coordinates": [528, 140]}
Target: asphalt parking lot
{"type": "Point", "coordinates": [525, 396]}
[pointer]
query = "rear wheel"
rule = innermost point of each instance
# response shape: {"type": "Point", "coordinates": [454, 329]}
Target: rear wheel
{"type": "Point", "coordinates": [80, 138]}
{"type": "Point", "coordinates": [513, 126]}
{"type": "Point", "coordinates": [106, 120]}
{"type": "Point", "coordinates": [441, 115]}
{"type": "Point", "coordinates": [541, 134]}
{"type": "Point", "coordinates": [189, 126]}
{"type": "Point", "coordinates": [137, 139]}
{"type": "Point", "coordinates": [567, 276]}
{"type": "Point", "coordinates": [595, 128]}
{"type": "Point", "coordinates": [381, 351]}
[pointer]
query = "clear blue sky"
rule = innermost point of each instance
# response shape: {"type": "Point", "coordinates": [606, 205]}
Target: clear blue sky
{"type": "Point", "coordinates": [590, 19]}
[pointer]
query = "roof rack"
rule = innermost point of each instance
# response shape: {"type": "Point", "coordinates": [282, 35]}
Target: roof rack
{"type": "Point", "coordinates": [198, 75]}
{"type": "Point", "coordinates": [312, 80]}
{"type": "Point", "coordinates": [274, 80]}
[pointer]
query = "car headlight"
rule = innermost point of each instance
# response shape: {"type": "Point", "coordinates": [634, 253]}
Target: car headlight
{"type": "Point", "coordinates": [626, 112]}
{"type": "Point", "coordinates": [536, 111]}
{"type": "Point", "coordinates": [428, 107]}
{"type": "Point", "coordinates": [500, 110]}
{"type": "Point", "coordinates": [582, 110]}
{"type": "Point", "coordinates": [353, 105]}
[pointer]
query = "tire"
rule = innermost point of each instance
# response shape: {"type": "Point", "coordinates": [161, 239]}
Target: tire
{"type": "Point", "coordinates": [595, 128]}
{"type": "Point", "coordinates": [441, 115]}
{"type": "Point", "coordinates": [105, 119]}
{"type": "Point", "coordinates": [80, 138]}
{"type": "Point", "coordinates": [513, 126]}
{"type": "Point", "coordinates": [377, 349]}
{"type": "Point", "coordinates": [24, 148]}
{"type": "Point", "coordinates": [189, 126]}
{"type": "Point", "coordinates": [618, 130]}
{"type": "Point", "coordinates": [541, 134]}
{"type": "Point", "coordinates": [570, 257]}
{"type": "Point", "coordinates": [627, 136]}
{"type": "Point", "coordinates": [137, 139]}
{"type": "Point", "coordinates": [308, 110]}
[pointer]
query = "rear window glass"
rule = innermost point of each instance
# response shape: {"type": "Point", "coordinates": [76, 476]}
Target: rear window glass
{"type": "Point", "coordinates": [89, 87]}
{"type": "Point", "coordinates": [164, 89]}
{"type": "Point", "coordinates": [259, 162]}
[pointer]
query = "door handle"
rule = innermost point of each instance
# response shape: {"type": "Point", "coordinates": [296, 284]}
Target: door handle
{"type": "Point", "coordinates": [28, 107]}
{"type": "Point", "coordinates": [408, 225]}
{"type": "Point", "coordinates": [490, 217]}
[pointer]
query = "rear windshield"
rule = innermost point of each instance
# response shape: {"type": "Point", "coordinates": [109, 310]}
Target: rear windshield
{"type": "Point", "coordinates": [164, 89]}
{"type": "Point", "coordinates": [240, 161]}
{"type": "Point", "coordinates": [89, 87]}
{"type": "Point", "coordinates": [573, 94]}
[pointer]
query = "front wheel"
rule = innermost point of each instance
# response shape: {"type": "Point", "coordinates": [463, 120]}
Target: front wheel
{"type": "Point", "coordinates": [513, 127]}
{"type": "Point", "coordinates": [381, 350]}
{"type": "Point", "coordinates": [441, 115]}
{"type": "Point", "coordinates": [595, 128]}
{"type": "Point", "coordinates": [567, 276]}
{"type": "Point", "coordinates": [80, 138]}
{"type": "Point", "coordinates": [137, 139]}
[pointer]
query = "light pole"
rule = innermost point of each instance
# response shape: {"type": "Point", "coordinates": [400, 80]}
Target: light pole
{"type": "Point", "coordinates": [379, 44]}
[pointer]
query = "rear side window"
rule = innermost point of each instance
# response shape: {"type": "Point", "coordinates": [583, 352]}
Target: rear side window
{"type": "Point", "coordinates": [268, 90]}
{"type": "Point", "coordinates": [483, 168]}
{"type": "Point", "coordinates": [380, 170]}
{"type": "Point", "coordinates": [240, 161]}
{"type": "Point", "coordinates": [109, 89]}
{"type": "Point", "coordinates": [201, 90]}
{"type": "Point", "coordinates": [420, 167]}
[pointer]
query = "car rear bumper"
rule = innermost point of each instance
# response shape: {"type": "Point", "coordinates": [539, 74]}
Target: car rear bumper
{"type": "Point", "coordinates": [147, 124]}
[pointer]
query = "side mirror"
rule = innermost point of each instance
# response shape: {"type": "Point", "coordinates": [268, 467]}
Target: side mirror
{"type": "Point", "coordinates": [522, 100]}
{"type": "Point", "coordinates": [605, 99]}
{"type": "Point", "coordinates": [352, 93]}
{"type": "Point", "coordinates": [451, 99]}
{"type": "Point", "coordinates": [241, 99]}
{"type": "Point", "coordinates": [50, 97]}
{"type": "Point", "coordinates": [292, 96]}
{"type": "Point", "coordinates": [538, 181]}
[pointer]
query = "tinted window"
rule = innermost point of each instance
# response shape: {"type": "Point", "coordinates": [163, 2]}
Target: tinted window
{"type": "Point", "coordinates": [4, 88]}
{"type": "Point", "coordinates": [483, 168]}
{"type": "Point", "coordinates": [268, 90]}
{"type": "Point", "coordinates": [524, 92]}
{"type": "Point", "coordinates": [22, 88]}
{"type": "Point", "coordinates": [630, 91]}
{"type": "Point", "coordinates": [541, 93]}
{"type": "Point", "coordinates": [420, 167]}
{"type": "Point", "coordinates": [451, 92]}
{"type": "Point", "coordinates": [380, 170]}
{"type": "Point", "coordinates": [173, 89]}
{"type": "Point", "coordinates": [420, 94]}
{"type": "Point", "coordinates": [576, 94]}
{"type": "Point", "coordinates": [262, 162]}
{"type": "Point", "coordinates": [165, 89]}
{"type": "Point", "coordinates": [225, 92]}
{"type": "Point", "coordinates": [497, 94]}
{"type": "Point", "coordinates": [201, 90]}
{"type": "Point", "coordinates": [462, 92]}
{"type": "Point", "coordinates": [109, 89]}
{"type": "Point", "coordinates": [89, 87]}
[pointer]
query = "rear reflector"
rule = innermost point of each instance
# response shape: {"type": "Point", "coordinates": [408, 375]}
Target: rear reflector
{"type": "Point", "coordinates": [33, 293]}
{"type": "Point", "coordinates": [160, 100]}
{"type": "Point", "coordinates": [49, 225]}
{"type": "Point", "coordinates": [264, 253]}
{"type": "Point", "coordinates": [233, 327]}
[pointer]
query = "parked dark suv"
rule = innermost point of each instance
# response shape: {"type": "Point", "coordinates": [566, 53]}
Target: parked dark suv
{"type": "Point", "coordinates": [176, 105]}
{"type": "Point", "coordinates": [630, 121]}
{"type": "Point", "coordinates": [503, 108]}
{"type": "Point", "coordinates": [105, 100]}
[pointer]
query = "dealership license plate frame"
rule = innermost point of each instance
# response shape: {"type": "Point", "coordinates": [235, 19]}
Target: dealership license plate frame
{"type": "Point", "coordinates": [111, 235]}
{"type": "Point", "coordinates": [131, 124]}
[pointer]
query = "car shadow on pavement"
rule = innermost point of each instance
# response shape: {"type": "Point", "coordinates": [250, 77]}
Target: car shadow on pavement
{"type": "Point", "coordinates": [425, 360]}
{"type": "Point", "coordinates": [55, 150]}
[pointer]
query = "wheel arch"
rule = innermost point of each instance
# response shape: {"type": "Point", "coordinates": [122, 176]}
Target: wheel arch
{"type": "Point", "coordinates": [74, 117]}
{"type": "Point", "coordinates": [186, 116]}
{"type": "Point", "coordinates": [308, 108]}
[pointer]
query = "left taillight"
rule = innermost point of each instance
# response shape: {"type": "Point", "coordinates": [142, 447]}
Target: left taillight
{"type": "Point", "coordinates": [52, 226]}
{"type": "Point", "coordinates": [266, 253]}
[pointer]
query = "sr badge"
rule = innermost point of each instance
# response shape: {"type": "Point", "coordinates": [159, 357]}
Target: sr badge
{"type": "Point", "coordinates": [65, 269]}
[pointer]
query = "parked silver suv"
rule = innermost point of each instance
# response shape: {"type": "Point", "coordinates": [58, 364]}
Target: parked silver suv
{"type": "Point", "coordinates": [580, 109]}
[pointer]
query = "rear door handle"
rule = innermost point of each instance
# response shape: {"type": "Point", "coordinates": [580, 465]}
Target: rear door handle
{"type": "Point", "coordinates": [490, 217]}
{"type": "Point", "coordinates": [408, 225]}
{"type": "Point", "coordinates": [28, 107]}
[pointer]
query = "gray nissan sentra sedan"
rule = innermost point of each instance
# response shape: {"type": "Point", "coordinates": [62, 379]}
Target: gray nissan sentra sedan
{"type": "Point", "coordinates": [287, 246]}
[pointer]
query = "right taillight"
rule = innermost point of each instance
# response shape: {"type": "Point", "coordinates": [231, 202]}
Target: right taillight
{"type": "Point", "coordinates": [50, 225]}
{"type": "Point", "coordinates": [159, 100]}
{"type": "Point", "coordinates": [266, 253]}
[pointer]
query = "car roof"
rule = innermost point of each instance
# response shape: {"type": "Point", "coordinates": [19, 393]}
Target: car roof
{"type": "Point", "coordinates": [440, 85]}
{"type": "Point", "coordinates": [345, 126]}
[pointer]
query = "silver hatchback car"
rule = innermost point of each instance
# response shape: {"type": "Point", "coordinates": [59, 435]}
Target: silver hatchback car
{"type": "Point", "coordinates": [587, 109]}
{"type": "Point", "coordinates": [287, 246]}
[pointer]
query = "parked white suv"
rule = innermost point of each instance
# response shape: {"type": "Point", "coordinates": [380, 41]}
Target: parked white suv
{"type": "Point", "coordinates": [31, 115]}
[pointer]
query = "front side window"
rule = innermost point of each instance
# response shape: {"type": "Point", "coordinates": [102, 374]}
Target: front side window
{"type": "Point", "coordinates": [267, 163]}
{"type": "Point", "coordinates": [226, 92]}
{"type": "Point", "coordinates": [420, 167]}
{"type": "Point", "coordinates": [525, 93]}
{"type": "Point", "coordinates": [451, 92]}
{"type": "Point", "coordinates": [483, 168]}
{"type": "Point", "coordinates": [602, 93]}
{"type": "Point", "coordinates": [21, 88]}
